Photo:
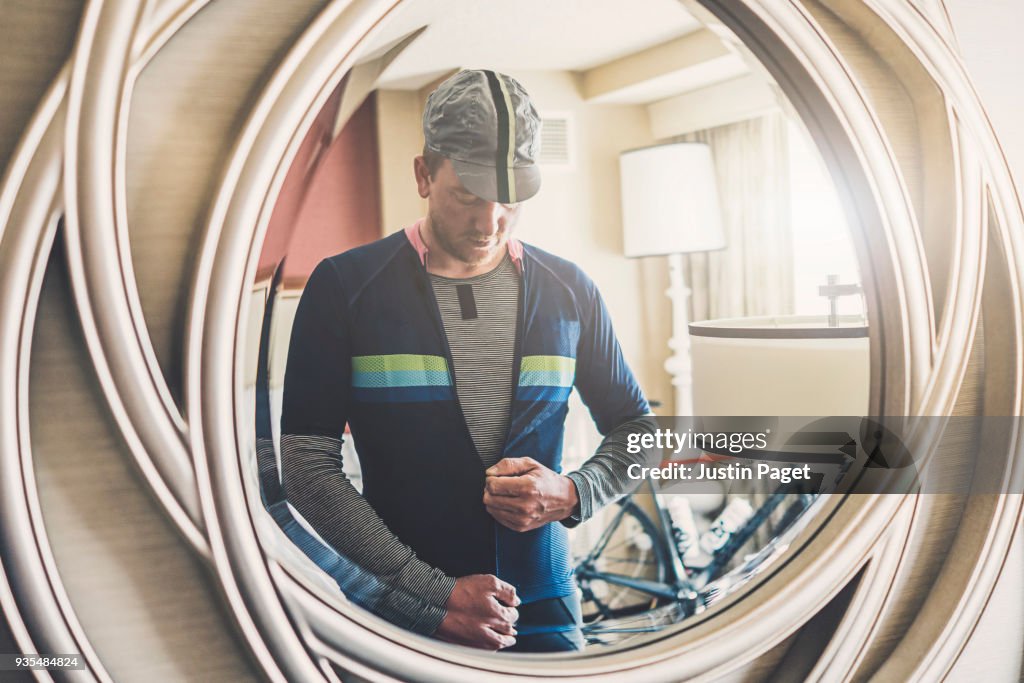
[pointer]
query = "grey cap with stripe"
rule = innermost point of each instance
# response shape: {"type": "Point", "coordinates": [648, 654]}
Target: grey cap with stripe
{"type": "Point", "coordinates": [484, 122]}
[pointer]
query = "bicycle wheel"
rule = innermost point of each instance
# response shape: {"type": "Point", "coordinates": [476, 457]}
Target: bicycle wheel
{"type": "Point", "coordinates": [797, 503]}
{"type": "Point", "coordinates": [630, 547]}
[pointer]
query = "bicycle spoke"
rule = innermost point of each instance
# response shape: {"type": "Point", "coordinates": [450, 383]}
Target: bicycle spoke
{"type": "Point", "coordinates": [628, 560]}
{"type": "Point", "coordinates": [625, 570]}
{"type": "Point", "coordinates": [624, 542]}
{"type": "Point", "coordinates": [607, 534]}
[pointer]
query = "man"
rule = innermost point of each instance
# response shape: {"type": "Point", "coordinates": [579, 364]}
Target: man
{"type": "Point", "coordinates": [450, 350]}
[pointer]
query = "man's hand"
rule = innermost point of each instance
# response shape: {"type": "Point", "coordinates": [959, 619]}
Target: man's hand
{"type": "Point", "coordinates": [481, 613]}
{"type": "Point", "coordinates": [523, 494]}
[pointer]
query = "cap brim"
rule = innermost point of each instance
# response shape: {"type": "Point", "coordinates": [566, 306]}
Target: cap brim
{"type": "Point", "coordinates": [483, 181]}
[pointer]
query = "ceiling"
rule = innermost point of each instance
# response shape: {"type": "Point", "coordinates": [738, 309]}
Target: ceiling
{"type": "Point", "coordinates": [524, 34]}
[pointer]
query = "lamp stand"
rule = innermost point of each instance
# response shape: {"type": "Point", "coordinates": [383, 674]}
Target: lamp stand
{"type": "Point", "coordinates": [678, 364]}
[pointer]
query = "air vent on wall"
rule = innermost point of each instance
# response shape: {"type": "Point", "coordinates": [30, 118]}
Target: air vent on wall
{"type": "Point", "coordinates": [555, 140]}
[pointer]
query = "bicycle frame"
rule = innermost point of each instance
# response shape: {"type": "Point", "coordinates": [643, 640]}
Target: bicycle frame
{"type": "Point", "coordinates": [678, 585]}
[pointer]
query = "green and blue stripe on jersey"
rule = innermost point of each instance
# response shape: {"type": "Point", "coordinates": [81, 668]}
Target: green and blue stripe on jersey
{"type": "Point", "coordinates": [401, 377]}
{"type": "Point", "coordinates": [546, 378]}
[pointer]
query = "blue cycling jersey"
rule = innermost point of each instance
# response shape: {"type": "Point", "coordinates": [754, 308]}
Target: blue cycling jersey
{"type": "Point", "coordinates": [368, 349]}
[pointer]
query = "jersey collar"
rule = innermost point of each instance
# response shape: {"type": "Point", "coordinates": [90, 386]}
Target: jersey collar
{"type": "Point", "coordinates": [412, 233]}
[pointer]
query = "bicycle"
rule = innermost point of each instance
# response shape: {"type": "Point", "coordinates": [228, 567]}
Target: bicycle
{"type": "Point", "coordinates": [636, 564]}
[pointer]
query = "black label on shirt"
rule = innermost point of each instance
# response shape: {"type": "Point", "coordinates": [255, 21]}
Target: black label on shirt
{"type": "Point", "coordinates": [467, 304]}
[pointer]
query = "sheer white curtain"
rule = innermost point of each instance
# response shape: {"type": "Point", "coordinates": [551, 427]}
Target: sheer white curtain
{"type": "Point", "coordinates": [753, 274]}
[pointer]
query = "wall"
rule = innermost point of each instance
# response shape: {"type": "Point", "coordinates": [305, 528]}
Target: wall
{"type": "Point", "coordinates": [284, 218]}
{"type": "Point", "coordinates": [329, 202]}
{"type": "Point", "coordinates": [400, 139]}
{"type": "Point", "coordinates": [341, 208]}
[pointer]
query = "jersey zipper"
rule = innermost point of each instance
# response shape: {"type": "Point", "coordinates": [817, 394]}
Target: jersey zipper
{"type": "Point", "coordinates": [517, 359]}
{"type": "Point", "coordinates": [517, 362]}
{"type": "Point", "coordinates": [439, 329]}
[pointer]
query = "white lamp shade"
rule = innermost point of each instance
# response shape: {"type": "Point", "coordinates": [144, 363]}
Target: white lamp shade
{"type": "Point", "coordinates": [670, 200]}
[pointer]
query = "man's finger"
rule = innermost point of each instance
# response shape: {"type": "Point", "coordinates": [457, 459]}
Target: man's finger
{"type": "Point", "coordinates": [511, 467]}
{"type": "Point", "coordinates": [498, 641]}
{"type": "Point", "coordinates": [513, 519]}
{"type": "Point", "coordinates": [509, 614]}
{"type": "Point", "coordinates": [505, 593]}
{"type": "Point", "coordinates": [516, 521]}
{"type": "Point", "coordinates": [508, 486]}
{"type": "Point", "coordinates": [501, 613]}
{"type": "Point", "coordinates": [518, 524]}
{"type": "Point", "coordinates": [503, 627]}
{"type": "Point", "coordinates": [506, 503]}
{"type": "Point", "coordinates": [504, 518]}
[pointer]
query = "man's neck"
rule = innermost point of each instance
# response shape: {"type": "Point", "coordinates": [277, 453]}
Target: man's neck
{"type": "Point", "coordinates": [440, 262]}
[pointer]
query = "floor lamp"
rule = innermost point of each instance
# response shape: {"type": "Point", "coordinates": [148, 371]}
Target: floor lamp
{"type": "Point", "coordinates": [670, 208]}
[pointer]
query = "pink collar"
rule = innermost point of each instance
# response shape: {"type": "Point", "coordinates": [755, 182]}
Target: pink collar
{"type": "Point", "coordinates": [412, 233]}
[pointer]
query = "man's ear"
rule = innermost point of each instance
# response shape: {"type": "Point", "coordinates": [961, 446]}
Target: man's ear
{"type": "Point", "coordinates": [422, 173]}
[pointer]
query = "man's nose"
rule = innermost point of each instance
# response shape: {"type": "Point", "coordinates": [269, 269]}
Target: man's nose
{"type": "Point", "coordinates": [490, 218]}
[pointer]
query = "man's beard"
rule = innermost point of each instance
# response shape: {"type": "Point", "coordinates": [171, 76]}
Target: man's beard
{"type": "Point", "coordinates": [457, 246]}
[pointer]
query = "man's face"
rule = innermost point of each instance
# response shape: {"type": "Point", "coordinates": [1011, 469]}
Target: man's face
{"type": "Point", "coordinates": [471, 230]}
